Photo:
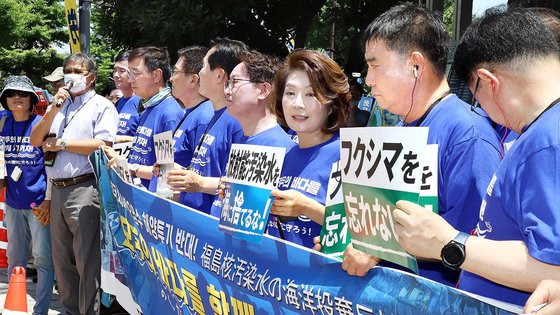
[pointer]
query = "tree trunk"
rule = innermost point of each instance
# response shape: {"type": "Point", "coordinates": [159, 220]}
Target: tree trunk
{"type": "Point", "coordinates": [304, 21]}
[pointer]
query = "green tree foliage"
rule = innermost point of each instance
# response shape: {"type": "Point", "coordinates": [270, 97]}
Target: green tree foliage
{"type": "Point", "coordinates": [104, 50]}
{"type": "Point", "coordinates": [266, 25]}
{"type": "Point", "coordinates": [29, 28]}
{"type": "Point", "coordinates": [350, 18]}
{"type": "Point", "coordinates": [448, 16]}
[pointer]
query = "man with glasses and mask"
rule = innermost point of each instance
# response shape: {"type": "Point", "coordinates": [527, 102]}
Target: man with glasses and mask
{"type": "Point", "coordinates": [149, 72]}
{"type": "Point", "coordinates": [200, 181]}
{"type": "Point", "coordinates": [511, 61]}
{"type": "Point", "coordinates": [77, 122]}
{"type": "Point", "coordinates": [127, 105]}
{"type": "Point", "coordinates": [406, 52]}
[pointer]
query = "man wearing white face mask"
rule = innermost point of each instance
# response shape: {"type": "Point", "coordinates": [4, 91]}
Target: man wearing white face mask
{"type": "Point", "coordinates": [83, 122]}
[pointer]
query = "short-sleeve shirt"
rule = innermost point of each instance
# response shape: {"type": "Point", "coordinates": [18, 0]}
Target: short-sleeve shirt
{"type": "Point", "coordinates": [468, 156]}
{"type": "Point", "coordinates": [209, 160]}
{"type": "Point", "coordinates": [127, 107]}
{"type": "Point", "coordinates": [188, 133]}
{"type": "Point", "coordinates": [18, 152]}
{"type": "Point", "coordinates": [88, 116]}
{"type": "Point", "coordinates": [307, 171]}
{"type": "Point", "coordinates": [155, 119]}
{"type": "Point", "coordinates": [521, 203]}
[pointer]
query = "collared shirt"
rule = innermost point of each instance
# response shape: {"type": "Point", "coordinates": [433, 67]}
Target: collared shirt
{"type": "Point", "coordinates": [88, 116]}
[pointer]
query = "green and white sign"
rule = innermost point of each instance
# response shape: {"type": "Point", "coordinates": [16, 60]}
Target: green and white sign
{"type": "Point", "coordinates": [380, 166]}
{"type": "Point", "coordinates": [334, 234]}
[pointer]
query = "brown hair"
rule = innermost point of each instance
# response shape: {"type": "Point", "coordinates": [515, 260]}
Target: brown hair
{"type": "Point", "coordinates": [260, 67]}
{"type": "Point", "coordinates": [327, 79]}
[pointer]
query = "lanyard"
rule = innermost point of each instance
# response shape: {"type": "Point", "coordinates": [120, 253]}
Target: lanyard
{"type": "Point", "coordinates": [187, 112]}
{"type": "Point", "coordinates": [18, 145]}
{"type": "Point", "coordinates": [201, 141]}
{"type": "Point", "coordinates": [421, 120]}
{"type": "Point", "coordinates": [547, 108]}
{"type": "Point", "coordinates": [76, 113]}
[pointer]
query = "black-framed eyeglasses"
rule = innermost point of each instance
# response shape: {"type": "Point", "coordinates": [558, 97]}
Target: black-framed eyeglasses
{"type": "Point", "coordinates": [231, 82]}
{"type": "Point", "coordinates": [475, 105]}
{"type": "Point", "coordinates": [13, 93]}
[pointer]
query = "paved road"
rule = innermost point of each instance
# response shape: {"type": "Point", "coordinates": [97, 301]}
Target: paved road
{"type": "Point", "coordinates": [55, 307]}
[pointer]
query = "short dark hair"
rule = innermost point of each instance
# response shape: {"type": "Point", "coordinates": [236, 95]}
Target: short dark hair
{"type": "Point", "coordinates": [551, 18]}
{"type": "Point", "coordinates": [154, 58]}
{"type": "Point", "coordinates": [502, 36]}
{"type": "Point", "coordinates": [122, 56]}
{"type": "Point", "coordinates": [327, 79]}
{"type": "Point", "coordinates": [194, 58]}
{"type": "Point", "coordinates": [226, 54]}
{"type": "Point", "coordinates": [82, 59]}
{"type": "Point", "coordinates": [260, 67]}
{"type": "Point", "coordinates": [407, 27]}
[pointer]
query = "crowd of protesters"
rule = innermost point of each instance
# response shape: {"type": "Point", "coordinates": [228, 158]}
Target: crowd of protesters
{"type": "Point", "coordinates": [497, 231]}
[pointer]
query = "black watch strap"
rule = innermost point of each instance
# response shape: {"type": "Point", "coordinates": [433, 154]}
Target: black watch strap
{"type": "Point", "coordinates": [453, 253]}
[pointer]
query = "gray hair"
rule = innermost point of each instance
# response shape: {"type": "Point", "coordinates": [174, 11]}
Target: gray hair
{"type": "Point", "coordinates": [82, 59]}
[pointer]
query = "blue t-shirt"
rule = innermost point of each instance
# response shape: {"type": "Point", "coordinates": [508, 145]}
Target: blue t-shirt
{"type": "Point", "coordinates": [273, 137]}
{"type": "Point", "coordinates": [155, 119]}
{"type": "Point", "coordinates": [188, 134]}
{"type": "Point", "coordinates": [307, 171]}
{"type": "Point", "coordinates": [521, 203]}
{"type": "Point", "coordinates": [19, 152]}
{"type": "Point", "coordinates": [468, 156]}
{"type": "Point", "coordinates": [210, 159]}
{"type": "Point", "coordinates": [127, 107]}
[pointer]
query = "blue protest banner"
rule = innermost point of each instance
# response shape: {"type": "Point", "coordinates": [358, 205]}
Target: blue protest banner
{"type": "Point", "coordinates": [175, 260]}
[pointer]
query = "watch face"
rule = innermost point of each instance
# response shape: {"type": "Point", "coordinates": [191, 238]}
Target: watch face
{"type": "Point", "coordinates": [454, 255]}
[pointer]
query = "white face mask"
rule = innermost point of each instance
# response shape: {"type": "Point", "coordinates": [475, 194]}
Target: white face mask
{"type": "Point", "coordinates": [79, 82]}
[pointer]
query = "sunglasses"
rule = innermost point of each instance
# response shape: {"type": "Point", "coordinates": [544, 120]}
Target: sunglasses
{"type": "Point", "coordinates": [13, 93]}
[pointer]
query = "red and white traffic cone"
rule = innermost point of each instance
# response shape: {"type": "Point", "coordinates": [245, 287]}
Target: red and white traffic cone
{"type": "Point", "coordinates": [16, 299]}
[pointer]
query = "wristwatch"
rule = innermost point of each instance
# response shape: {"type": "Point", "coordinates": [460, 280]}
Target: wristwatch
{"type": "Point", "coordinates": [63, 145]}
{"type": "Point", "coordinates": [133, 169]}
{"type": "Point", "coordinates": [453, 253]}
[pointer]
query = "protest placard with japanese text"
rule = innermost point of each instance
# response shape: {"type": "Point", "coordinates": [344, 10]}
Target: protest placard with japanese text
{"type": "Point", "coordinates": [252, 172]}
{"type": "Point", "coordinates": [380, 166]}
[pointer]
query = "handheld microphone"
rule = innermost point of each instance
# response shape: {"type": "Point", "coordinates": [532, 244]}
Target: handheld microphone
{"type": "Point", "coordinates": [68, 87]}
